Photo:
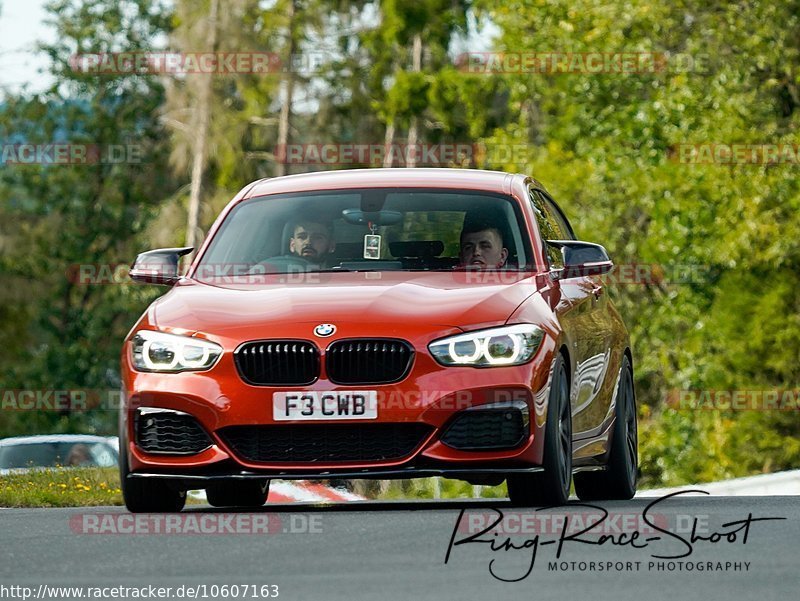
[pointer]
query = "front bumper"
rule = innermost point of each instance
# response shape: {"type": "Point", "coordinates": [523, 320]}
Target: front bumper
{"type": "Point", "coordinates": [199, 478]}
{"type": "Point", "coordinates": [430, 394]}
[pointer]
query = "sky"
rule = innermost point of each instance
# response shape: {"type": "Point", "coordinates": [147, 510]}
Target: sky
{"type": "Point", "coordinates": [21, 27]}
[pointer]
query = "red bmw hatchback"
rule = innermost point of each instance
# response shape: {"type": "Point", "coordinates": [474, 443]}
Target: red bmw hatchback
{"type": "Point", "coordinates": [382, 323]}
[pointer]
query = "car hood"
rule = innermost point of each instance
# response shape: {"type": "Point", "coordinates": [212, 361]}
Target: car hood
{"type": "Point", "coordinates": [451, 299]}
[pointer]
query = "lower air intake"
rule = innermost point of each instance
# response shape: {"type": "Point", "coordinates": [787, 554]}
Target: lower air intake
{"type": "Point", "coordinates": [322, 443]}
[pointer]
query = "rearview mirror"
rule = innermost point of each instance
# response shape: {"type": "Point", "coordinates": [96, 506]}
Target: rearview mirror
{"type": "Point", "coordinates": [359, 217]}
{"type": "Point", "coordinates": [158, 266]}
{"type": "Point", "coordinates": [582, 258]}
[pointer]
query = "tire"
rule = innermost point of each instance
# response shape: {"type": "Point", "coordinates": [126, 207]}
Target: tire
{"type": "Point", "coordinates": [550, 487]}
{"type": "Point", "coordinates": [238, 493]}
{"type": "Point", "coordinates": [147, 496]}
{"type": "Point", "coordinates": [619, 480]}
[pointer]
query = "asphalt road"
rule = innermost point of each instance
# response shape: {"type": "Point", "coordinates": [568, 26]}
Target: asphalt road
{"type": "Point", "coordinates": [389, 551]}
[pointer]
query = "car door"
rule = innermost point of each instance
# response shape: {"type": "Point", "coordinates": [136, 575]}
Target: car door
{"type": "Point", "coordinates": [587, 325]}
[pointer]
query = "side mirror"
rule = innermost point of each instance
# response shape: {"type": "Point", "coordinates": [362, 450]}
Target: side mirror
{"type": "Point", "coordinates": [158, 266]}
{"type": "Point", "coordinates": [582, 258]}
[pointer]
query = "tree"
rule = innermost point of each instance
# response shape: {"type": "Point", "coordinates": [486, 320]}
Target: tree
{"type": "Point", "coordinates": [208, 113]}
{"type": "Point", "coordinates": [61, 216]}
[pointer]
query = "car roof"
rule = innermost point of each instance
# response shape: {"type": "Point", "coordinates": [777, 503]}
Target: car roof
{"type": "Point", "coordinates": [470, 179]}
{"type": "Point", "coordinates": [47, 438]}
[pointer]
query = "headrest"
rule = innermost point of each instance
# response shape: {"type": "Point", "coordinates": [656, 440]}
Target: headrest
{"type": "Point", "coordinates": [286, 236]}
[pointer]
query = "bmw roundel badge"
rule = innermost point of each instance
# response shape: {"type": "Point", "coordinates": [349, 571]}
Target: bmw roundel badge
{"type": "Point", "coordinates": [324, 330]}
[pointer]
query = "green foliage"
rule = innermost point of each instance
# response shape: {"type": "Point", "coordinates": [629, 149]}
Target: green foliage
{"type": "Point", "coordinates": [436, 20]}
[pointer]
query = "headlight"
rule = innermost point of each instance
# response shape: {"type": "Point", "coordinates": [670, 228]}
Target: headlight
{"type": "Point", "coordinates": [508, 345]}
{"type": "Point", "coordinates": [157, 351]}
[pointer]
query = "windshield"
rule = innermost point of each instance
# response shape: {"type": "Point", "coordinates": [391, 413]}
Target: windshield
{"type": "Point", "coordinates": [368, 230]}
{"type": "Point", "coordinates": [52, 454]}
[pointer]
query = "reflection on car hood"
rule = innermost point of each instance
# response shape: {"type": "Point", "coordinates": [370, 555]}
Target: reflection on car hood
{"type": "Point", "coordinates": [455, 299]}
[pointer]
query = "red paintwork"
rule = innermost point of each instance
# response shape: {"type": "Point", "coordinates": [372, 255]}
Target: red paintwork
{"type": "Point", "coordinates": [416, 306]}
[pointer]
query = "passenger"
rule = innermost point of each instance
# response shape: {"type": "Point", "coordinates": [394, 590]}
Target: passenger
{"type": "Point", "coordinates": [482, 247]}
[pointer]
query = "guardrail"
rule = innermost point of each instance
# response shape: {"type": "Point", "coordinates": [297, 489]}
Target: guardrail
{"type": "Point", "coordinates": [778, 484]}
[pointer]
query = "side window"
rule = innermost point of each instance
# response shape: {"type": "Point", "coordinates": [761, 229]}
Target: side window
{"type": "Point", "coordinates": [554, 214]}
{"type": "Point", "coordinates": [549, 230]}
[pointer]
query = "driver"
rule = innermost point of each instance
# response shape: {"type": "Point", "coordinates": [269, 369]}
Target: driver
{"type": "Point", "coordinates": [482, 246]}
{"type": "Point", "coordinates": [312, 240]}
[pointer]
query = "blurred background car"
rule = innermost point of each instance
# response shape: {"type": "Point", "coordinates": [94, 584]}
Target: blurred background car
{"type": "Point", "coordinates": [22, 453]}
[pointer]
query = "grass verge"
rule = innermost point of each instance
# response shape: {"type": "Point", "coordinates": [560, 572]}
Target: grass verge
{"type": "Point", "coordinates": [91, 486]}
{"type": "Point", "coordinates": [66, 487]}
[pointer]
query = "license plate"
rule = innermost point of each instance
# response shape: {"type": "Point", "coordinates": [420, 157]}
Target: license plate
{"type": "Point", "coordinates": [315, 405]}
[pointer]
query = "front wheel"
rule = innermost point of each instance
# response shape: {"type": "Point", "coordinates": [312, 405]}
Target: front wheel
{"type": "Point", "coordinates": [619, 480]}
{"type": "Point", "coordinates": [142, 495]}
{"type": "Point", "coordinates": [550, 487]}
